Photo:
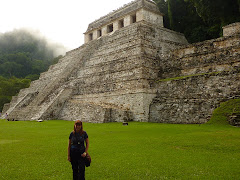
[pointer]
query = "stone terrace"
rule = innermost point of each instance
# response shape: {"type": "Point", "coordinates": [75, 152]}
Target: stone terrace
{"type": "Point", "coordinates": [194, 79]}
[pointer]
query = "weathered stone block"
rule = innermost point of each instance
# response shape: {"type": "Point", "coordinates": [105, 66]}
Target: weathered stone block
{"type": "Point", "coordinates": [231, 29]}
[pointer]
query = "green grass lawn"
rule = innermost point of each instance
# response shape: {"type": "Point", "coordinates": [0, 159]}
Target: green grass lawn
{"type": "Point", "coordinates": [38, 150]}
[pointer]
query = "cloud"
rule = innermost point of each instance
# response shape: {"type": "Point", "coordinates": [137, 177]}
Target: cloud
{"type": "Point", "coordinates": [20, 39]}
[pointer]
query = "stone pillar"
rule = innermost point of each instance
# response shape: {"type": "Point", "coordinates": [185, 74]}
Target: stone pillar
{"type": "Point", "coordinates": [115, 26]}
{"type": "Point", "coordinates": [104, 30]}
{"type": "Point", "coordinates": [139, 15]}
{"type": "Point", "coordinates": [127, 20]}
{"type": "Point", "coordinates": [94, 34]}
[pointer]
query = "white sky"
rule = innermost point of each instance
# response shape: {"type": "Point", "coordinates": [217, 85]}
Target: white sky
{"type": "Point", "coordinates": [61, 21]}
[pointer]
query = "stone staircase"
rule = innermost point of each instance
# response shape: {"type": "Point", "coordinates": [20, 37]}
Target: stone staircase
{"type": "Point", "coordinates": [53, 87]}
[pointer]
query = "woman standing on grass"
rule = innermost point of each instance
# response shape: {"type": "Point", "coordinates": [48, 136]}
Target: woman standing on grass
{"type": "Point", "coordinates": [77, 150]}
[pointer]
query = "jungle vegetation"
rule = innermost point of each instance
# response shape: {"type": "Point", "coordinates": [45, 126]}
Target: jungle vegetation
{"type": "Point", "coordinates": [199, 20]}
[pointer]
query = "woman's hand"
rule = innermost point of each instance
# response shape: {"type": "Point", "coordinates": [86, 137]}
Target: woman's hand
{"type": "Point", "coordinates": [84, 154]}
{"type": "Point", "coordinates": [69, 158]}
{"type": "Point", "coordinates": [69, 146]}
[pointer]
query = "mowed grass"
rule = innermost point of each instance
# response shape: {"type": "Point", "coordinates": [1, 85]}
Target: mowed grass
{"type": "Point", "coordinates": [38, 150]}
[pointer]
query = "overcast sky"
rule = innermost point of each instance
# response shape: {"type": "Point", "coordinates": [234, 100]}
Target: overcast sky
{"type": "Point", "coordinates": [61, 21]}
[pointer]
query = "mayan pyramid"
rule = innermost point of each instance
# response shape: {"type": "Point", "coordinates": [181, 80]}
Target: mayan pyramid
{"type": "Point", "coordinates": [109, 78]}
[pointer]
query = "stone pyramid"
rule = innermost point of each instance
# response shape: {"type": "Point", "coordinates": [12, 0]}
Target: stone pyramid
{"type": "Point", "coordinates": [109, 78]}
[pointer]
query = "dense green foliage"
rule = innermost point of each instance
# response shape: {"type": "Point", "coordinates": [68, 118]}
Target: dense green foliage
{"type": "Point", "coordinates": [23, 56]}
{"type": "Point", "coordinates": [32, 150]}
{"type": "Point", "coordinates": [24, 53]}
{"type": "Point", "coordinates": [10, 87]}
{"type": "Point", "coordinates": [199, 20]}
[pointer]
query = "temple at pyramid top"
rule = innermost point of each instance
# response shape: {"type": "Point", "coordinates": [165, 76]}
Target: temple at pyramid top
{"type": "Point", "coordinates": [138, 10]}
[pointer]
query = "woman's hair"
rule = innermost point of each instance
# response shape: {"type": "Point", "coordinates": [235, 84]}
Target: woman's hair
{"type": "Point", "coordinates": [78, 122]}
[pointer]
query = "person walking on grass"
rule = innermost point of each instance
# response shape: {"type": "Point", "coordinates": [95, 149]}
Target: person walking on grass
{"type": "Point", "coordinates": [77, 150]}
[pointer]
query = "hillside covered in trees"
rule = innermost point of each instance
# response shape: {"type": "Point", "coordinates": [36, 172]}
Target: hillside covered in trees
{"type": "Point", "coordinates": [24, 54]}
{"type": "Point", "coordinates": [199, 20]}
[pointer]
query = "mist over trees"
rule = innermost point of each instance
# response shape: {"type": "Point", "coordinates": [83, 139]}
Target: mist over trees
{"type": "Point", "coordinates": [24, 54]}
{"type": "Point", "coordinates": [199, 20]}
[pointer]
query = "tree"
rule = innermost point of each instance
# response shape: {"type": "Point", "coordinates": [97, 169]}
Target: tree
{"type": "Point", "coordinates": [10, 87]}
{"type": "Point", "coordinates": [10, 68]}
{"type": "Point", "coordinates": [23, 53]}
{"type": "Point", "coordinates": [199, 20]}
{"type": "Point", "coordinates": [217, 13]}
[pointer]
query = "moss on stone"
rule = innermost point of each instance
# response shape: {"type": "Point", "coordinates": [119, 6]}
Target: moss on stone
{"type": "Point", "coordinates": [188, 76]}
{"type": "Point", "coordinates": [221, 114]}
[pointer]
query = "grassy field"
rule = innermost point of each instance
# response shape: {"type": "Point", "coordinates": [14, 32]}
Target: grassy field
{"type": "Point", "coordinates": [33, 150]}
